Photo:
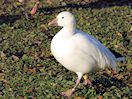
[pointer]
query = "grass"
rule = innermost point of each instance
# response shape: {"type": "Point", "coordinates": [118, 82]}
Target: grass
{"type": "Point", "coordinates": [28, 69]}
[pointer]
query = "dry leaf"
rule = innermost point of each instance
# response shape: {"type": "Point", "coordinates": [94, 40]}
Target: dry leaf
{"type": "Point", "coordinates": [118, 33]}
{"type": "Point", "coordinates": [2, 75]}
{"type": "Point", "coordinates": [49, 1]}
{"type": "Point", "coordinates": [100, 97]}
{"type": "Point", "coordinates": [33, 70]}
{"type": "Point", "coordinates": [44, 27]}
{"type": "Point", "coordinates": [38, 65]}
{"type": "Point", "coordinates": [2, 54]}
{"type": "Point", "coordinates": [4, 80]}
{"type": "Point", "coordinates": [15, 58]}
{"type": "Point", "coordinates": [29, 90]}
{"type": "Point", "coordinates": [131, 28]}
{"type": "Point", "coordinates": [25, 69]}
{"type": "Point", "coordinates": [116, 46]}
{"type": "Point", "coordinates": [42, 69]}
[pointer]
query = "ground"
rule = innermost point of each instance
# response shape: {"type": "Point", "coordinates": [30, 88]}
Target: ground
{"type": "Point", "coordinates": [29, 71]}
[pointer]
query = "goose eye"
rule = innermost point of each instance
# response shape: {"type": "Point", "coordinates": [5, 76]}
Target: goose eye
{"type": "Point", "coordinates": [62, 17]}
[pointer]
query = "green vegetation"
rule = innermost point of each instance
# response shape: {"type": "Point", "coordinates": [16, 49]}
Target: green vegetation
{"type": "Point", "coordinates": [28, 69]}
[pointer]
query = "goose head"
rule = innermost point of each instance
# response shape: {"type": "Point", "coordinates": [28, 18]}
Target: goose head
{"type": "Point", "coordinates": [64, 19]}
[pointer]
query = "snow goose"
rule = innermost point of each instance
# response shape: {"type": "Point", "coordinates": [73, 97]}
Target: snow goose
{"type": "Point", "coordinates": [78, 51]}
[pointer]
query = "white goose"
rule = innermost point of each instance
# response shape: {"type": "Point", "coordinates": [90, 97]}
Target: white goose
{"type": "Point", "coordinates": [78, 51]}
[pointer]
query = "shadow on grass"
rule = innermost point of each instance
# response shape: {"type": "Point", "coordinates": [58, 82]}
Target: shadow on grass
{"type": "Point", "coordinates": [93, 5]}
{"type": "Point", "coordinates": [102, 83]}
{"type": "Point", "coordinates": [117, 54]}
{"type": "Point", "coordinates": [9, 18]}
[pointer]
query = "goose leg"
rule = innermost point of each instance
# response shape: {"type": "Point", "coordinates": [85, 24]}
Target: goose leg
{"type": "Point", "coordinates": [69, 92]}
{"type": "Point", "coordinates": [86, 80]}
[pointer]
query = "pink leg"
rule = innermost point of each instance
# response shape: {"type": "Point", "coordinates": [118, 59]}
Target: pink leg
{"type": "Point", "coordinates": [86, 81]}
{"type": "Point", "coordinates": [69, 92]}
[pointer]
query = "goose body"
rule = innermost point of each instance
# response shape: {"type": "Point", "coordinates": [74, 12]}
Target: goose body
{"type": "Point", "coordinates": [80, 52]}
